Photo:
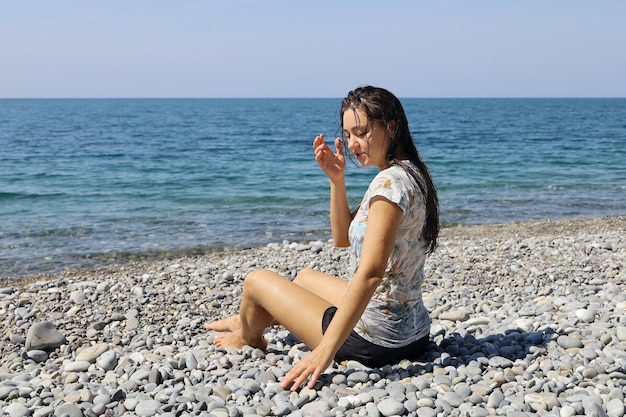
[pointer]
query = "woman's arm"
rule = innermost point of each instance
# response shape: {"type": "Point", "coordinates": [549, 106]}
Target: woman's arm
{"type": "Point", "coordinates": [340, 215]}
{"type": "Point", "coordinates": [382, 226]}
{"type": "Point", "coordinates": [334, 166]}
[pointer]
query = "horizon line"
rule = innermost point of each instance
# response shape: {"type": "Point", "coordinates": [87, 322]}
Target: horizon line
{"type": "Point", "coordinates": [314, 98]}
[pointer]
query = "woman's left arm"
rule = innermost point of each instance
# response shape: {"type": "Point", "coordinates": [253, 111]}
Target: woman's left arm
{"type": "Point", "coordinates": [382, 226]}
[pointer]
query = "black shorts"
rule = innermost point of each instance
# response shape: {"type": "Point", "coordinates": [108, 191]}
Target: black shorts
{"type": "Point", "coordinates": [369, 354]}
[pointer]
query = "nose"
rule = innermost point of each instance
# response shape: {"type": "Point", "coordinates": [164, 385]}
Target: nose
{"type": "Point", "coordinates": [352, 144]}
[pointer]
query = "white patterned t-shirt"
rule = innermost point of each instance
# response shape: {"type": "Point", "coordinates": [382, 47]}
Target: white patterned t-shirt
{"type": "Point", "coordinates": [395, 316]}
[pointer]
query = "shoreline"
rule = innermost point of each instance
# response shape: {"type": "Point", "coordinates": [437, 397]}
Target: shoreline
{"type": "Point", "coordinates": [519, 228]}
{"type": "Point", "coordinates": [528, 318]}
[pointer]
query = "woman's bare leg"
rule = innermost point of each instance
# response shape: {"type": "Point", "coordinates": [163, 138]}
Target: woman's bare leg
{"type": "Point", "coordinates": [329, 287]}
{"type": "Point", "coordinates": [269, 298]}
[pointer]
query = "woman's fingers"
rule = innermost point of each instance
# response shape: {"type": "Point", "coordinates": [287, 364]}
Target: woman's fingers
{"type": "Point", "coordinates": [291, 378]}
{"type": "Point", "coordinates": [332, 163]}
{"type": "Point", "coordinates": [311, 366]}
{"type": "Point", "coordinates": [298, 375]}
{"type": "Point", "coordinates": [319, 139]}
{"type": "Point", "coordinates": [299, 382]}
{"type": "Point", "coordinates": [339, 147]}
{"type": "Point", "coordinates": [322, 151]}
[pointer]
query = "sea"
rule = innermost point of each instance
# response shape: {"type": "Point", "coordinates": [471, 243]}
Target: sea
{"type": "Point", "coordinates": [90, 182]}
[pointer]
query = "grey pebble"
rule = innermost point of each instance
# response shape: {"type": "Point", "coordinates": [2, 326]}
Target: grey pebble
{"type": "Point", "coordinates": [77, 366]}
{"type": "Point", "coordinates": [478, 412]}
{"type": "Point", "coordinates": [620, 332]}
{"type": "Point", "coordinates": [44, 336]}
{"type": "Point", "coordinates": [452, 398]}
{"type": "Point", "coordinates": [358, 376]}
{"type": "Point", "coordinates": [17, 410]}
{"type": "Point", "coordinates": [191, 359]}
{"type": "Point", "coordinates": [495, 398]}
{"type": "Point", "coordinates": [339, 379]}
{"type": "Point", "coordinates": [593, 406]}
{"type": "Point", "coordinates": [616, 408]}
{"type": "Point", "coordinates": [568, 342]}
{"type": "Point", "coordinates": [410, 406]}
{"type": "Point", "coordinates": [107, 360]}
{"type": "Point", "coordinates": [500, 362]}
{"type": "Point", "coordinates": [45, 411]}
{"type": "Point", "coordinates": [5, 391]}
{"type": "Point", "coordinates": [390, 407]}
{"type": "Point", "coordinates": [68, 410]}
{"type": "Point", "coordinates": [313, 408]}
{"type": "Point", "coordinates": [454, 315]}
{"type": "Point", "coordinates": [147, 408]}
{"type": "Point", "coordinates": [17, 339]}
{"type": "Point", "coordinates": [585, 315]}
{"type": "Point", "coordinates": [37, 355]}
{"type": "Point", "coordinates": [427, 412]}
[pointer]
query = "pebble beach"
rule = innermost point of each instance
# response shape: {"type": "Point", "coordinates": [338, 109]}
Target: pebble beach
{"type": "Point", "coordinates": [528, 318]}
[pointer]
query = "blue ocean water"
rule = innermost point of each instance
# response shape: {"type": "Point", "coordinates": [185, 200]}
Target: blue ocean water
{"type": "Point", "coordinates": [88, 182]}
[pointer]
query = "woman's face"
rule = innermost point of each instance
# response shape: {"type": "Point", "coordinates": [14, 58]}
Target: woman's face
{"type": "Point", "coordinates": [367, 140]}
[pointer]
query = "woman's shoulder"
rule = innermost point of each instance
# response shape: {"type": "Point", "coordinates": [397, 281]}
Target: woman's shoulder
{"type": "Point", "coordinates": [396, 184]}
{"type": "Point", "coordinates": [402, 171]}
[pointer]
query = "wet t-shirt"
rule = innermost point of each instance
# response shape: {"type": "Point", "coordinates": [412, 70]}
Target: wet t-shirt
{"type": "Point", "coordinates": [395, 316]}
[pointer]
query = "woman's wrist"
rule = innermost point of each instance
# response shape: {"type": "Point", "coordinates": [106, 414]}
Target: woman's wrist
{"type": "Point", "coordinates": [338, 182]}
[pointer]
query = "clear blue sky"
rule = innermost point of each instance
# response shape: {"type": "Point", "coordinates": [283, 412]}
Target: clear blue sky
{"type": "Point", "coordinates": [317, 48]}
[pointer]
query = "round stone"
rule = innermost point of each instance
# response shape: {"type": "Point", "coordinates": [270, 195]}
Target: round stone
{"type": "Point", "coordinates": [91, 353]}
{"type": "Point", "coordinates": [585, 315]}
{"type": "Point", "coordinates": [77, 366]}
{"type": "Point", "coordinates": [44, 336]}
{"type": "Point", "coordinates": [17, 410]}
{"type": "Point", "coordinates": [620, 332]}
{"type": "Point", "coordinates": [37, 355]}
{"type": "Point", "coordinates": [390, 407]}
{"type": "Point", "coordinates": [68, 410]}
{"type": "Point", "coordinates": [615, 408]}
{"type": "Point", "coordinates": [147, 408]}
{"type": "Point", "coordinates": [569, 342]}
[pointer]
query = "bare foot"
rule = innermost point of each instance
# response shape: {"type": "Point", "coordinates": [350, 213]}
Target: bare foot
{"type": "Point", "coordinates": [235, 339]}
{"type": "Point", "coordinates": [229, 324]}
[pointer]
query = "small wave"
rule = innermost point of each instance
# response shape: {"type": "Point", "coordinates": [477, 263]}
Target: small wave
{"type": "Point", "coordinates": [23, 195]}
{"type": "Point", "coordinates": [69, 232]}
{"type": "Point", "coordinates": [7, 196]}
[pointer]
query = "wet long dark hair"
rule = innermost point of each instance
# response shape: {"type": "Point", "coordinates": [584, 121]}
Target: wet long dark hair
{"type": "Point", "coordinates": [382, 106]}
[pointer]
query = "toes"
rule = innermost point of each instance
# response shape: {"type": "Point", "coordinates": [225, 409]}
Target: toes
{"type": "Point", "coordinates": [218, 341]}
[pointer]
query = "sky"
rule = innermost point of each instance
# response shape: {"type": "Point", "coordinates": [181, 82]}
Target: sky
{"type": "Point", "coordinates": [317, 48]}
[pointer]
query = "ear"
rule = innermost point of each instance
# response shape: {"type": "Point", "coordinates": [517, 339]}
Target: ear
{"type": "Point", "coordinates": [391, 127]}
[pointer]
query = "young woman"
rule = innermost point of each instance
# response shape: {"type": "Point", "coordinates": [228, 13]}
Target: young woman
{"type": "Point", "coordinates": [377, 317]}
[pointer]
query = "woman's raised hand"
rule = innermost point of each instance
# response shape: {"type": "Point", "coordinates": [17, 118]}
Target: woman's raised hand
{"type": "Point", "coordinates": [332, 163]}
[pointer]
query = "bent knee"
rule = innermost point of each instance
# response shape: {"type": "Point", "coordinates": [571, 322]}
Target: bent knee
{"type": "Point", "coordinates": [304, 275]}
{"type": "Point", "coordinates": [254, 277]}
{"type": "Point", "coordinates": [259, 278]}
